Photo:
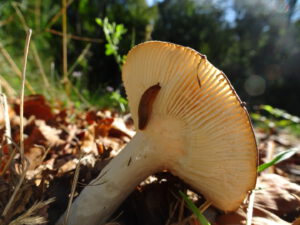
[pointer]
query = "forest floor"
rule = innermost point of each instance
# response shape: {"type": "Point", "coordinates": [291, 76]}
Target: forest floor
{"type": "Point", "coordinates": [58, 138]}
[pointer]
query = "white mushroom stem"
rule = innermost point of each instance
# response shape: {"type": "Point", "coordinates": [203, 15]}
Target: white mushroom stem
{"type": "Point", "coordinates": [104, 194]}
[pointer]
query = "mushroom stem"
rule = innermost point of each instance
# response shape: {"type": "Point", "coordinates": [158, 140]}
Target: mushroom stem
{"type": "Point", "coordinates": [103, 195]}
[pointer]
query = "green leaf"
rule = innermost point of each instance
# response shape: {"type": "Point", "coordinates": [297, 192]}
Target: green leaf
{"type": "Point", "coordinates": [268, 108]}
{"type": "Point", "coordinates": [283, 123]}
{"type": "Point", "coordinates": [255, 116]}
{"type": "Point", "coordinates": [120, 29]}
{"type": "Point", "coordinates": [194, 209]}
{"type": "Point", "coordinates": [278, 158]}
{"type": "Point", "coordinates": [99, 22]}
{"type": "Point", "coordinates": [109, 50]}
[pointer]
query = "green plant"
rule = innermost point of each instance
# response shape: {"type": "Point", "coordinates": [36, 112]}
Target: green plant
{"type": "Point", "coordinates": [194, 209]}
{"type": "Point", "coordinates": [278, 158]}
{"type": "Point", "coordinates": [113, 34]}
{"type": "Point", "coordinates": [268, 117]}
{"type": "Point", "coordinates": [106, 99]}
{"type": "Point", "coordinates": [117, 100]}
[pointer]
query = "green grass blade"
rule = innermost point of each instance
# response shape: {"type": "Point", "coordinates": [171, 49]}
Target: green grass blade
{"type": "Point", "coordinates": [278, 158]}
{"type": "Point", "coordinates": [194, 209]}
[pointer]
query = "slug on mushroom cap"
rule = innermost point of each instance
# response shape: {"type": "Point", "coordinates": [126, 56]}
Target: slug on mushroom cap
{"type": "Point", "coordinates": [189, 121]}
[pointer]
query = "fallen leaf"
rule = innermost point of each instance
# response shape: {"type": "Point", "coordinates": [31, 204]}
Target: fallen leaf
{"type": "Point", "coordinates": [277, 197]}
{"type": "Point", "coordinates": [260, 217]}
{"type": "Point", "coordinates": [36, 105]}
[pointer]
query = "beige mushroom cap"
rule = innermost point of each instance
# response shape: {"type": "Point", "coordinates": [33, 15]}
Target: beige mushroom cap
{"type": "Point", "coordinates": [197, 121]}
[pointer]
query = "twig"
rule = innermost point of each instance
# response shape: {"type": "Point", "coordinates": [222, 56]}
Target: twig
{"type": "Point", "coordinates": [14, 67]}
{"type": "Point", "coordinates": [56, 17]}
{"type": "Point", "coordinates": [74, 183]}
{"type": "Point", "coordinates": [79, 58]}
{"type": "Point", "coordinates": [20, 15]}
{"type": "Point", "coordinates": [71, 36]}
{"type": "Point", "coordinates": [8, 205]}
{"type": "Point", "coordinates": [35, 52]}
{"type": "Point", "coordinates": [40, 65]}
{"type": "Point", "coordinates": [37, 13]}
{"type": "Point", "coordinates": [9, 90]}
{"type": "Point", "coordinates": [27, 43]}
{"type": "Point", "coordinates": [28, 216]}
{"type": "Point", "coordinates": [46, 153]}
{"type": "Point", "coordinates": [12, 155]}
{"type": "Point", "coordinates": [7, 132]}
{"type": "Point", "coordinates": [250, 208]}
{"type": "Point", "coordinates": [270, 155]}
{"type": "Point", "coordinates": [202, 209]}
{"type": "Point", "coordinates": [75, 89]}
{"type": "Point", "coordinates": [204, 206]}
{"type": "Point", "coordinates": [172, 212]}
{"type": "Point", "coordinates": [65, 47]}
{"type": "Point", "coordinates": [6, 119]}
{"type": "Point", "coordinates": [181, 211]}
{"type": "Point", "coordinates": [25, 162]}
{"type": "Point", "coordinates": [7, 21]}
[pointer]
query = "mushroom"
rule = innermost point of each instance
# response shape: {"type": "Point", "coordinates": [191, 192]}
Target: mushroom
{"type": "Point", "coordinates": [189, 121]}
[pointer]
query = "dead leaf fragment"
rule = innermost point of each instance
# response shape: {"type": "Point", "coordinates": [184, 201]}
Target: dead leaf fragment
{"type": "Point", "coordinates": [36, 105]}
{"type": "Point", "coordinates": [260, 217]}
{"type": "Point", "coordinates": [277, 195]}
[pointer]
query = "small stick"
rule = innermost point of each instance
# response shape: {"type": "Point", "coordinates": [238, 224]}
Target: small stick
{"type": "Point", "coordinates": [65, 47]}
{"type": "Point", "coordinates": [6, 86]}
{"type": "Point", "coordinates": [58, 14]}
{"type": "Point", "coordinates": [270, 155]}
{"type": "Point", "coordinates": [6, 118]}
{"type": "Point", "coordinates": [45, 153]}
{"type": "Point", "coordinates": [79, 58]}
{"type": "Point", "coordinates": [250, 208]}
{"type": "Point", "coordinates": [172, 212]}
{"type": "Point", "coordinates": [20, 15]}
{"type": "Point", "coordinates": [204, 206]}
{"type": "Point", "coordinates": [40, 65]}
{"type": "Point", "coordinates": [7, 131]}
{"type": "Point", "coordinates": [14, 67]}
{"type": "Point", "coordinates": [6, 21]}
{"type": "Point", "coordinates": [202, 209]}
{"type": "Point", "coordinates": [28, 37]}
{"type": "Point", "coordinates": [37, 14]}
{"type": "Point", "coordinates": [75, 37]}
{"type": "Point", "coordinates": [10, 202]}
{"type": "Point", "coordinates": [74, 183]}
{"type": "Point", "coordinates": [11, 156]}
{"type": "Point", "coordinates": [181, 211]}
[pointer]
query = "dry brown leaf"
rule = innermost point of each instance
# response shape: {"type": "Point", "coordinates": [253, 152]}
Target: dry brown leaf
{"type": "Point", "coordinates": [36, 105]}
{"type": "Point", "coordinates": [51, 134]}
{"type": "Point", "coordinates": [260, 217]}
{"type": "Point", "coordinates": [296, 222]}
{"type": "Point", "coordinates": [93, 116]}
{"type": "Point", "coordinates": [103, 127]}
{"type": "Point", "coordinates": [119, 129]}
{"type": "Point", "coordinates": [68, 166]}
{"type": "Point", "coordinates": [277, 195]}
{"type": "Point", "coordinates": [88, 144]}
{"type": "Point", "coordinates": [34, 156]}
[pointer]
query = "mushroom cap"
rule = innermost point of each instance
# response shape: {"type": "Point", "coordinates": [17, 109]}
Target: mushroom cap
{"type": "Point", "coordinates": [196, 120]}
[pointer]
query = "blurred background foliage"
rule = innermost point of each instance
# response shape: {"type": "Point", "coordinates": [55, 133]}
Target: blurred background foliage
{"type": "Point", "coordinates": [256, 43]}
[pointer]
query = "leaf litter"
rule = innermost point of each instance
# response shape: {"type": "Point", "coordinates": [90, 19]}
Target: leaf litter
{"type": "Point", "coordinates": [56, 138]}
